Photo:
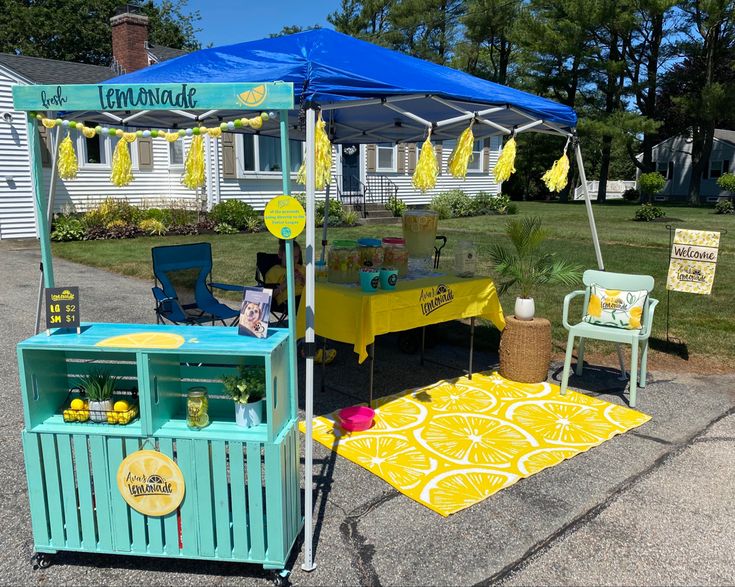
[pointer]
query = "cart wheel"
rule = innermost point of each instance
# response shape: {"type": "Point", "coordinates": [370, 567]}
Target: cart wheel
{"type": "Point", "coordinates": [280, 579]}
{"type": "Point", "coordinates": [41, 560]}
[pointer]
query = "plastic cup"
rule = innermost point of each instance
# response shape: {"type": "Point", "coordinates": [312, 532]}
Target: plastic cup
{"type": "Point", "coordinates": [388, 278]}
{"type": "Point", "coordinates": [369, 279]}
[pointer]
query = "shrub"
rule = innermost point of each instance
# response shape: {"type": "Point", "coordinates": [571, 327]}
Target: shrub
{"type": "Point", "coordinates": [119, 229]}
{"type": "Point", "coordinates": [482, 203]}
{"type": "Point", "coordinates": [512, 208]}
{"type": "Point", "coordinates": [395, 205]}
{"type": "Point", "coordinates": [224, 228]}
{"type": "Point", "coordinates": [442, 208]}
{"type": "Point", "coordinates": [500, 203]}
{"type": "Point", "coordinates": [651, 183]}
{"type": "Point", "coordinates": [631, 195]}
{"type": "Point", "coordinates": [723, 207]}
{"type": "Point", "coordinates": [350, 218]}
{"type": "Point", "coordinates": [111, 210]}
{"type": "Point", "coordinates": [458, 203]}
{"type": "Point", "coordinates": [154, 214]}
{"type": "Point", "coordinates": [67, 228]}
{"type": "Point", "coordinates": [205, 225]}
{"type": "Point", "coordinates": [727, 182]}
{"type": "Point", "coordinates": [336, 211]}
{"type": "Point", "coordinates": [254, 224]}
{"type": "Point", "coordinates": [152, 227]}
{"type": "Point", "coordinates": [232, 212]}
{"type": "Point", "coordinates": [188, 228]}
{"type": "Point", "coordinates": [648, 212]}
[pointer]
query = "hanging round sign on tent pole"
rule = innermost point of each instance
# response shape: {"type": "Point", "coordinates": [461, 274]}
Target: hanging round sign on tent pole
{"type": "Point", "coordinates": [285, 217]}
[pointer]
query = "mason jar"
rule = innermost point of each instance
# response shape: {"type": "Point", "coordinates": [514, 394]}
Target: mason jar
{"type": "Point", "coordinates": [197, 408]}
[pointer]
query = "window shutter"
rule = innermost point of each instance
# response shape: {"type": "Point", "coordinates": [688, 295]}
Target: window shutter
{"type": "Point", "coordinates": [45, 146]}
{"type": "Point", "coordinates": [229, 169]}
{"type": "Point", "coordinates": [371, 157]}
{"type": "Point", "coordinates": [670, 175]}
{"type": "Point", "coordinates": [145, 153]}
{"type": "Point", "coordinates": [438, 152]}
{"type": "Point", "coordinates": [411, 164]}
{"type": "Point", "coordinates": [401, 155]}
{"type": "Point", "coordinates": [485, 167]}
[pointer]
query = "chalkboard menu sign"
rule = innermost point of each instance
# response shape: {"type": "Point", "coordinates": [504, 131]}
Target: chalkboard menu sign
{"type": "Point", "coordinates": [62, 307]}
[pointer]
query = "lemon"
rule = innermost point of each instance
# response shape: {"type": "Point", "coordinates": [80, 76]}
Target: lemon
{"type": "Point", "coordinates": [124, 417]}
{"type": "Point", "coordinates": [83, 415]}
{"type": "Point", "coordinates": [121, 406]}
{"type": "Point", "coordinates": [77, 404]}
{"type": "Point", "coordinates": [112, 418]}
{"type": "Point", "coordinates": [69, 416]}
{"type": "Point", "coordinates": [253, 97]}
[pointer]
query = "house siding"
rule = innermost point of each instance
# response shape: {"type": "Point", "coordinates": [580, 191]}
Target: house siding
{"type": "Point", "coordinates": [678, 150]}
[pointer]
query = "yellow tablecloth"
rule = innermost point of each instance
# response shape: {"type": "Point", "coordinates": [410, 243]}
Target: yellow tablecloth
{"type": "Point", "coordinates": [347, 314]}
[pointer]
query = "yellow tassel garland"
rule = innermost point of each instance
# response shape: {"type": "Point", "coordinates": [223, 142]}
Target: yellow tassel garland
{"type": "Point", "coordinates": [67, 165]}
{"type": "Point", "coordinates": [193, 176]}
{"type": "Point", "coordinates": [322, 157]}
{"type": "Point", "coordinates": [424, 176]}
{"type": "Point", "coordinates": [462, 154]}
{"type": "Point", "coordinates": [122, 166]}
{"type": "Point", "coordinates": [556, 177]}
{"type": "Point", "coordinates": [505, 167]}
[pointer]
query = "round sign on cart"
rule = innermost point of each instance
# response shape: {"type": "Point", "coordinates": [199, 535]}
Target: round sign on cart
{"type": "Point", "coordinates": [150, 482]}
{"type": "Point", "coordinates": [284, 217]}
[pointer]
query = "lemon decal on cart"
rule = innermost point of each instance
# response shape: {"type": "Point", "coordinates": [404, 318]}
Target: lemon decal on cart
{"type": "Point", "coordinates": [144, 340]}
{"type": "Point", "coordinates": [151, 483]}
{"type": "Point", "coordinates": [254, 97]}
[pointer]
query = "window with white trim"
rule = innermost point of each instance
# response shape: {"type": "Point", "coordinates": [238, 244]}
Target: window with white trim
{"type": "Point", "coordinates": [176, 154]}
{"type": "Point", "coordinates": [385, 157]}
{"type": "Point", "coordinates": [664, 167]}
{"type": "Point", "coordinates": [260, 153]}
{"type": "Point", "coordinates": [98, 150]}
{"type": "Point", "coordinates": [475, 164]}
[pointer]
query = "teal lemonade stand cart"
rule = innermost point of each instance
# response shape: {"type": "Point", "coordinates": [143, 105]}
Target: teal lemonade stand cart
{"type": "Point", "coordinates": [242, 494]}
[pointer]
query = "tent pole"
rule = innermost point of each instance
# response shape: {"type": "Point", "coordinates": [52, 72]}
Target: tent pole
{"type": "Point", "coordinates": [325, 225]}
{"type": "Point", "coordinates": [308, 564]}
{"type": "Point", "coordinates": [588, 204]}
{"type": "Point", "coordinates": [43, 215]}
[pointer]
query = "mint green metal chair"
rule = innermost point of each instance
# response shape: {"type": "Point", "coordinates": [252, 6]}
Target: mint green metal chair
{"type": "Point", "coordinates": [635, 338]}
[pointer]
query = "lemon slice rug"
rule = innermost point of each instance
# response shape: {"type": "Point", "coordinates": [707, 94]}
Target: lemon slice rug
{"type": "Point", "coordinates": [456, 442]}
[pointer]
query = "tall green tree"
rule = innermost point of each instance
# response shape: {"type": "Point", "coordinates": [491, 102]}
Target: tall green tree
{"type": "Point", "coordinates": [79, 30]}
{"type": "Point", "coordinates": [365, 19]}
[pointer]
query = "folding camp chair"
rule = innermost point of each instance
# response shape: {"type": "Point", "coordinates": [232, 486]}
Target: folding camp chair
{"type": "Point", "coordinates": [264, 262]}
{"type": "Point", "coordinates": [183, 287]}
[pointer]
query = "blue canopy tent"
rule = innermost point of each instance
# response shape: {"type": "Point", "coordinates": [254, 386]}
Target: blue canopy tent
{"type": "Point", "coordinates": [366, 94]}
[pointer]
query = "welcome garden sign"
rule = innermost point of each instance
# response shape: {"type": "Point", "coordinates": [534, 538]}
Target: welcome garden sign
{"type": "Point", "coordinates": [693, 261]}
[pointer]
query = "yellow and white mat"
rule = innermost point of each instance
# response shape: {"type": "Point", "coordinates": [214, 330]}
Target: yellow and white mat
{"type": "Point", "coordinates": [456, 442]}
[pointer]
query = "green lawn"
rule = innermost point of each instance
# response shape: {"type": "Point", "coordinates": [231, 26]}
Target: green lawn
{"type": "Point", "coordinates": [705, 323]}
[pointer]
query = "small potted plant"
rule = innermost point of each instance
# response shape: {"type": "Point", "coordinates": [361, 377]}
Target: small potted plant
{"type": "Point", "coordinates": [247, 389]}
{"type": "Point", "coordinates": [528, 266]}
{"type": "Point", "coordinates": [98, 387]}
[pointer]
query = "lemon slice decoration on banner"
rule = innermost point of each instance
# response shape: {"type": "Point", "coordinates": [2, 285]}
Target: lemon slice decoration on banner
{"type": "Point", "coordinates": [455, 490]}
{"type": "Point", "coordinates": [392, 458]}
{"type": "Point", "coordinates": [253, 97]}
{"type": "Point", "coordinates": [144, 340]}
{"type": "Point", "coordinates": [474, 439]}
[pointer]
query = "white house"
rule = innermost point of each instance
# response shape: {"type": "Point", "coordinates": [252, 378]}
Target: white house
{"type": "Point", "coordinates": [239, 166]}
{"type": "Point", "coordinates": [673, 159]}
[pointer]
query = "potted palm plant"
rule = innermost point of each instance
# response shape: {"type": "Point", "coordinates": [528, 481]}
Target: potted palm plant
{"type": "Point", "coordinates": [247, 389]}
{"type": "Point", "coordinates": [98, 386]}
{"type": "Point", "coordinates": [527, 266]}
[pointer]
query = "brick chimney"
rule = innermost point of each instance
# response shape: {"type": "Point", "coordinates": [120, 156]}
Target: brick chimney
{"type": "Point", "coordinates": [130, 38]}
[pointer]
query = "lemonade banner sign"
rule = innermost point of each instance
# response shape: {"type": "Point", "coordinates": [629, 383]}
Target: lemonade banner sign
{"type": "Point", "coordinates": [183, 96]}
{"type": "Point", "coordinates": [151, 483]}
{"type": "Point", "coordinates": [693, 261]}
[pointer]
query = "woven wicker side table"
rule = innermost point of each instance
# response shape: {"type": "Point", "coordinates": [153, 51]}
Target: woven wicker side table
{"type": "Point", "coordinates": [525, 350]}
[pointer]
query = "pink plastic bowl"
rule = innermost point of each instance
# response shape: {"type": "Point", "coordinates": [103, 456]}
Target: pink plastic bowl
{"type": "Point", "coordinates": [356, 418]}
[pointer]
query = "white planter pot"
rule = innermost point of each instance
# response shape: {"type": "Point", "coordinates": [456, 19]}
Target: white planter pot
{"type": "Point", "coordinates": [525, 308]}
{"type": "Point", "coordinates": [98, 410]}
{"type": "Point", "coordinates": [250, 414]}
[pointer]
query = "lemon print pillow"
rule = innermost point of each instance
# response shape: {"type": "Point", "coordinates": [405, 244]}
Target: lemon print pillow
{"type": "Point", "coordinates": [614, 307]}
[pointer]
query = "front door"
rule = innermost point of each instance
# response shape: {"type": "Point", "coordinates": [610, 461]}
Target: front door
{"type": "Point", "coordinates": [350, 169]}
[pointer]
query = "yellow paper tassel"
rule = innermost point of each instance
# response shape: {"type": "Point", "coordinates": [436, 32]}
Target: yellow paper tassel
{"type": "Point", "coordinates": [462, 154]}
{"type": "Point", "coordinates": [424, 176]}
{"type": "Point", "coordinates": [322, 157]}
{"type": "Point", "coordinates": [556, 177]}
{"type": "Point", "coordinates": [193, 176]}
{"type": "Point", "coordinates": [122, 166]}
{"type": "Point", "coordinates": [67, 165]}
{"type": "Point", "coordinates": [505, 167]}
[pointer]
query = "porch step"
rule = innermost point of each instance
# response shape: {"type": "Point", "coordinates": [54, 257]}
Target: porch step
{"type": "Point", "coordinates": [379, 213]}
{"type": "Point", "coordinates": [379, 220]}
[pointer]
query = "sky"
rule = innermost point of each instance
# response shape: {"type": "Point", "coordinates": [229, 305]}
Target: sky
{"type": "Point", "coordinates": [225, 22]}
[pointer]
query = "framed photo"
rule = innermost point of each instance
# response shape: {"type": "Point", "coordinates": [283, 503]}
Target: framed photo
{"type": "Point", "coordinates": [255, 312]}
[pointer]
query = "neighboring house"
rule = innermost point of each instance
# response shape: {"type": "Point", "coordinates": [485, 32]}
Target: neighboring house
{"type": "Point", "coordinates": [239, 166]}
{"type": "Point", "coordinates": [673, 159]}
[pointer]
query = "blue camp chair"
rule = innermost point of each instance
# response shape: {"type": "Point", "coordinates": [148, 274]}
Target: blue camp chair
{"type": "Point", "coordinates": [183, 287]}
{"type": "Point", "coordinates": [583, 330]}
